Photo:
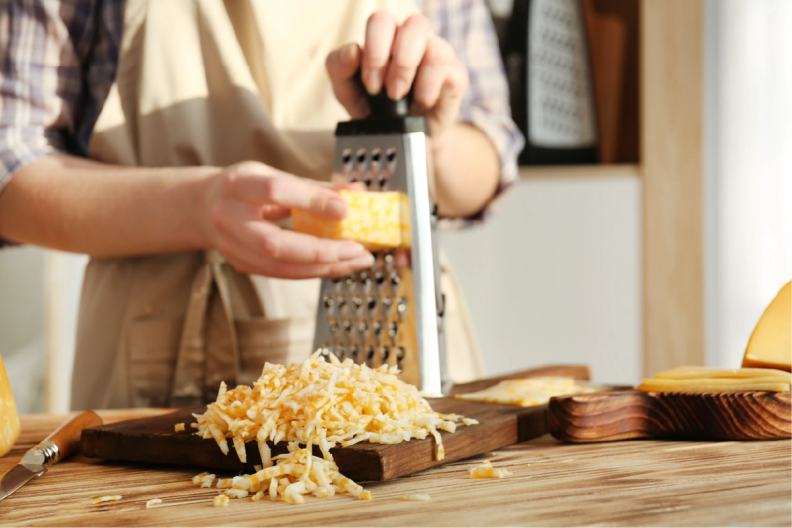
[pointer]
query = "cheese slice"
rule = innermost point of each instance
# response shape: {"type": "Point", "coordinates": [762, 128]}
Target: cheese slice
{"type": "Point", "coordinates": [713, 385]}
{"type": "Point", "coordinates": [377, 220]}
{"type": "Point", "coordinates": [694, 372]}
{"type": "Point", "coordinates": [526, 392]}
{"type": "Point", "coordinates": [770, 345]}
{"type": "Point", "coordinates": [9, 420]}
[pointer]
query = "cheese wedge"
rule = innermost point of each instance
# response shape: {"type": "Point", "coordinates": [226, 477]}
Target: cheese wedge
{"type": "Point", "coordinates": [713, 385]}
{"type": "Point", "coordinates": [770, 345]}
{"type": "Point", "coordinates": [748, 374]}
{"type": "Point", "coordinates": [378, 220]}
{"type": "Point", "coordinates": [9, 420]}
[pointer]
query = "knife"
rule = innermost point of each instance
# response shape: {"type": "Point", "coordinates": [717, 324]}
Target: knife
{"type": "Point", "coordinates": [61, 444]}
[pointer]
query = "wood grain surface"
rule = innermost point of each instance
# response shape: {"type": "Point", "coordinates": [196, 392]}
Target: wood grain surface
{"type": "Point", "coordinates": [624, 415]}
{"type": "Point", "coordinates": [153, 440]}
{"type": "Point", "coordinates": [639, 483]}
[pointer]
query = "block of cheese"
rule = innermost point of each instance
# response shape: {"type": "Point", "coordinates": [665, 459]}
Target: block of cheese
{"type": "Point", "coordinates": [9, 420]}
{"type": "Point", "coordinates": [377, 220]}
{"type": "Point", "coordinates": [770, 345]}
{"type": "Point", "coordinates": [694, 372]}
{"type": "Point", "coordinates": [713, 385]}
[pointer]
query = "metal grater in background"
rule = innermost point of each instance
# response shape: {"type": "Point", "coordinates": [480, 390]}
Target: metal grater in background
{"type": "Point", "coordinates": [546, 58]}
{"type": "Point", "coordinates": [393, 312]}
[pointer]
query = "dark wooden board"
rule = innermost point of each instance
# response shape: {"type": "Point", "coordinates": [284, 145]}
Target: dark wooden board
{"type": "Point", "coordinates": [624, 415]}
{"type": "Point", "coordinates": [153, 440]}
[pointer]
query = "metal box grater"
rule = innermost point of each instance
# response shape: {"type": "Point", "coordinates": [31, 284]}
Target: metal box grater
{"type": "Point", "coordinates": [393, 312]}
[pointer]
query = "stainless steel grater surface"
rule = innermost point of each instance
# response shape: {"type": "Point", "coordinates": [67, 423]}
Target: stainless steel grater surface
{"type": "Point", "coordinates": [393, 312]}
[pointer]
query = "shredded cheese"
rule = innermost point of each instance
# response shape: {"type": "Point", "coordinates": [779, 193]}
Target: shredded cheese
{"type": "Point", "coordinates": [419, 497]}
{"type": "Point", "coordinates": [152, 503]}
{"type": "Point", "coordinates": [527, 392]}
{"type": "Point", "coordinates": [485, 470]}
{"type": "Point", "coordinates": [324, 403]}
{"type": "Point", "coordinates": [107, 498]}
{"type": "Point", "coordinates": [220, 501]}
{"type": "Point", "coordinates": [179, 427]}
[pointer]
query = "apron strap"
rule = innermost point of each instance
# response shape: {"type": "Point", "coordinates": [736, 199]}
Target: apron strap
{"type": "Point", "coordinates": [208, 354]}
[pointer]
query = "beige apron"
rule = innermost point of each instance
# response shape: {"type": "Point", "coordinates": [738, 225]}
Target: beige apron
{"type": "Point", "coordinates": [212, 82]}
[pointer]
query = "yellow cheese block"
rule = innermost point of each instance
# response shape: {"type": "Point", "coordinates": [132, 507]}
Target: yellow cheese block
{"type": "Point", "coordinates": [9, 420]}
{"type": "Point", "coordinates": [377, 220]}
{"type": "Point", "coordinates": [695, 372]}
{"type": "Point", "coordinates": [770, 345]}
{"type": "Point", "coordinates": [713, 385]}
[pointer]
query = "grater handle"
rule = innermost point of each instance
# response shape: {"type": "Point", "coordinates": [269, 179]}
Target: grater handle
{"type": "Point", "coordinates": [381, 105]}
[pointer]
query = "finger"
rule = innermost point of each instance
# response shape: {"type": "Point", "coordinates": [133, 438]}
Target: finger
{"type": "Point", "coordinates": [288, 246]}
{"type": "Point", "coordinates": [273, 213]}
{"type": "Point", "coordinates": [290, 192]}
{"type": "Point", "coordinates": [342, 64]}
{"type": "Point", "coordinates": [408, 50]}
{"type": "Point", "coordinates": [380, 30]}
{"type": "Point", "coordinates": [432, 73]}
{"type": "Point", "coordinates": [281, 270]}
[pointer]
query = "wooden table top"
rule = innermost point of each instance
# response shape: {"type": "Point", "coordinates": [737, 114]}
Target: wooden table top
{"type": "Point", "coordinates": [647, 483]}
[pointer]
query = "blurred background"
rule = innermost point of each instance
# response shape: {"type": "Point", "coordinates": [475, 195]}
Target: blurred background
{"type": "Point", "coordinates": [651, 225]}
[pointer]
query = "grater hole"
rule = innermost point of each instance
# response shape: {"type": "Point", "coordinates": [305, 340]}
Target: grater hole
{"type": "Point", "coordinates": [385, 352]}
{"type": "Point", "coordinates": [361, 156]}
{"type": "Point", "coordinates": [369, 355]}
{"type": "Point", "coordinates": [375, 155]}
{"type": "Point", "coordinates": [346, 156]}
{"type": "Point", "coordinates": [400, 354]}
{"type": "Point", "coordinates": [390, 154]}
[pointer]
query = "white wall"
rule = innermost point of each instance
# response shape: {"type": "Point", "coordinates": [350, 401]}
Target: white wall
{"type": "Point", "coordinates": [22, 344]}
{"type": "Point", "coordinates": [748, 131]}
{"type": "Point", "coordinates": [555, 277]}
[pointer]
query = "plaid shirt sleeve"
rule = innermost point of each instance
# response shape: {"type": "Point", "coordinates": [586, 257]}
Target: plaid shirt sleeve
{"type": "Point", "coordinates": [58, 62]}
{"type": "Point", "coordinates": [467, 26]}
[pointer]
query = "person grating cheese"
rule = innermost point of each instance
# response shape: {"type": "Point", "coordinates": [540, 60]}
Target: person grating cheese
{"type": "Point", "coordinates": [322, 402]}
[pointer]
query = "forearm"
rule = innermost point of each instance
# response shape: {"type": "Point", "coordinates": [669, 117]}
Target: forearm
{"type": "Point", "coordinates": [466, 171]}
{"type": "Point", "coordinates": [78, 205]}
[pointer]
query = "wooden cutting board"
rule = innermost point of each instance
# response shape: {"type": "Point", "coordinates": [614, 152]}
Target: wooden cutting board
{"type": "Point", "coordinates": [153, 440]}
{"type": "Point", "coordinates": [625, 415]}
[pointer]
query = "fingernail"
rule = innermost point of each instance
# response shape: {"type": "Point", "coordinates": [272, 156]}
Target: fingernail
{"type": "Point", "coordinates": [348, 54]}
{"type": "Point", "coordinates": [337, 208]}
{"type": "Point", "coordinates": [350, 251]}
{"type": "Point", "coordinates": [399, 89]}
{"type": "Point", "coordinates": [363, 262]}
{"type": "Point", "coordinates": [374, 84]}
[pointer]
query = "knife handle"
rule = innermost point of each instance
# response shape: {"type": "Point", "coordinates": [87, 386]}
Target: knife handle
{"type": "Point", "coordinates": [66, 438]}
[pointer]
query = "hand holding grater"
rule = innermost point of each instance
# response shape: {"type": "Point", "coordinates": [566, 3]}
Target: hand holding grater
{"type": "Point", "coordinates": [391, 313]}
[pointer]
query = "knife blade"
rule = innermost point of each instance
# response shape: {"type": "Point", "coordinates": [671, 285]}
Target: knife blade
{"type": "Point", "coordinates": [61, 444]}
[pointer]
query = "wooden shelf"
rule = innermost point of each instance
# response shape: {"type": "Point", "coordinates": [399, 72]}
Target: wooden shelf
{"type": "Point", "coordinates": [579, 171]}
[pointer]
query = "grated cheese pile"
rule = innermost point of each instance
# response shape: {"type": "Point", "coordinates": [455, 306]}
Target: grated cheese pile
{"type": "Point", "coordinates": [485, 470]}
{"type": "Point", "coordinates": [527, 392]}
{"type": "Point", "coordinates": [323, 403]}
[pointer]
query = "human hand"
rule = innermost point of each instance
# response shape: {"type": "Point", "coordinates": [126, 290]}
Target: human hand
{"type": "Point", "coordinates": [396, 56]}
{"type": "Point", "coordinates": [242, 203]}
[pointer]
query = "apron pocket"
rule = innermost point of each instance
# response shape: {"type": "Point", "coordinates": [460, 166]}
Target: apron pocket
{"type": "Point", "coordinates": [153, 349]}
{"type": "Point", "coordinates": [281, 341]}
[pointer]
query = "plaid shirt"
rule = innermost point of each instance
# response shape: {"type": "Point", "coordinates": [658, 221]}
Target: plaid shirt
{"type": "Point", "coordinates": [59, 60]}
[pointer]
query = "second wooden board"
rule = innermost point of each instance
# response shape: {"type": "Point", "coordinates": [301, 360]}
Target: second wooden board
{"type": "Point", "coordinates": [624, 415]}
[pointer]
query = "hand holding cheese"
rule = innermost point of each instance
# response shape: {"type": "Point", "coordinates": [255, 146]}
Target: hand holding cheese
{"type": "Point", "coordinates": [9, 420]}
{"type": "Point", "coordinates": [375, 219]}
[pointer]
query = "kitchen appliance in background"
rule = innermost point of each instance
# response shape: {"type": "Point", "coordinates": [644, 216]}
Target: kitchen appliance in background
{"type": "Point", "coordinates": [546, 57]}
{"type": "Point", "coordinates": [392, 313]}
